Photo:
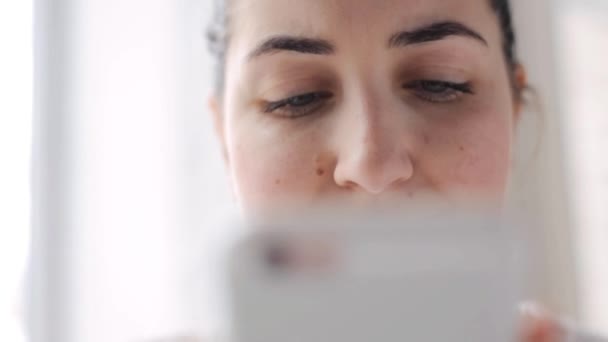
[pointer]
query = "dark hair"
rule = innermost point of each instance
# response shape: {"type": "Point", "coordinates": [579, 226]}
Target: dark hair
{"type": "Point", "coordinates": [218, 37]}
{"type": "Point", "coordinates": [503, 11]}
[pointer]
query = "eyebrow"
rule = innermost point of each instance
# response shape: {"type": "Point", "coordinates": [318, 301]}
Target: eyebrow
{"type": "Point", "coordinates": [295, 44]}
{"type": "Point", "coordinates": [434, 32]}
{"type": "Point", "coordinates": [429, 33]}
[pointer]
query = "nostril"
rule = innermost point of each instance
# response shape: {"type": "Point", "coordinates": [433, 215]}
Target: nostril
{"type": "Point", "coordinates": [349, 185]}
{"type": "Point", "coordinates": [374, 176]}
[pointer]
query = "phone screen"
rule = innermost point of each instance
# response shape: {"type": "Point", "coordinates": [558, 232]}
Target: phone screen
{"type": "Point", "coordinates": [377, 279]}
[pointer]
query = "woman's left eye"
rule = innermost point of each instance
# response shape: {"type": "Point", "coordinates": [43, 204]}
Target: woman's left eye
{"type": "Point", "coordinates": [297, 106]}
{"type": "Point", "coordinates": [439, 91]}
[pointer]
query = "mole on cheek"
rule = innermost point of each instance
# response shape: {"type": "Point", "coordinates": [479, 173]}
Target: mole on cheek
{"type": "Point", "coordinates": [320, 162]}
{"type": "Point", "coordinates": [461, 148]}
{"type": "Point", "coordinates": [277, 181]}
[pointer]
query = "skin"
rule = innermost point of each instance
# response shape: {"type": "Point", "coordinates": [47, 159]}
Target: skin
{"type": "Point", "coordinates": [375, 137]}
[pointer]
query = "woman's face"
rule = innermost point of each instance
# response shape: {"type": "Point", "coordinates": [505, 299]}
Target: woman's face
{"type": "Point", "coordinates": [365, 100]}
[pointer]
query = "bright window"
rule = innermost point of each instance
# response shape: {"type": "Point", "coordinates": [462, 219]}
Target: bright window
{"type": "Point", "coordinates": [583, 47]}
{"type": "Point", "coordinates": [15, 135]}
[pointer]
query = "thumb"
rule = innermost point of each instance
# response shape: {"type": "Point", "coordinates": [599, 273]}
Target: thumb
{"type": "Point", "coordinates": [539, 326]}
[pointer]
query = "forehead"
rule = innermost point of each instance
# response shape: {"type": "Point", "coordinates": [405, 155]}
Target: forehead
{"type": "Point", "coordinates": [353, 20]}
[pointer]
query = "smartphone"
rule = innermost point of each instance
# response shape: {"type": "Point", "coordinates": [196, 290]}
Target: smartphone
{"type": "Point", "coordinates": [422, 276]}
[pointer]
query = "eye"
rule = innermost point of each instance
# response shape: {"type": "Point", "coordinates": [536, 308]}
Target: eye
{"type": "Point", "coordinates": [439, 91]}
{"type": "Point", "coordinates": [299, 105]}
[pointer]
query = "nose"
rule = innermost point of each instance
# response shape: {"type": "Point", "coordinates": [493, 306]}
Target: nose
{"type": "Point", "coordinates": [374, 155]}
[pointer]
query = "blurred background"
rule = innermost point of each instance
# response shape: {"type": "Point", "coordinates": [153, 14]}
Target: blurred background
{"type": "Point", "coordinates": [113, 191]}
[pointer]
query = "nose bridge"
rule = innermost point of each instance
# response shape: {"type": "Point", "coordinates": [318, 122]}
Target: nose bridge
{"type": "Point", "coordinates": [378, 139]}
{"type": "Point", "coordinates": [371, 106]}
{"type": "Point", "coordinates": [375, 154]}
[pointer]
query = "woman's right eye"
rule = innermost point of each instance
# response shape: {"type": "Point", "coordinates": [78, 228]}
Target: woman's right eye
{"type": "Point", "coordinates": [298, 106]}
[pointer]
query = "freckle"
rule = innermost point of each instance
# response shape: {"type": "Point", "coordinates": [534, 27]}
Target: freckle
{"type": "Point", "coordinates": [277, 181]}
{"type": "Point", "coordinates": [320, 172]}
{"type": "Point", "coordinates": [461, 148]}
{"type": "Point", "coordinates": [427, 139]}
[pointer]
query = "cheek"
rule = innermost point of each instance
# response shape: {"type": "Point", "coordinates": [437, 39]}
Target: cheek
{"type": "Point", "coordinates": [484, 167]}
{"type": "Point", "coordinates": [270, 164]}
{"type": "Point", "coordinates": [476, 160]}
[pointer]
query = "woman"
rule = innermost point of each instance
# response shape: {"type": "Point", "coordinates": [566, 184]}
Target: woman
{"type": "Point", "coordinates": [333, 98]}
{"type": "Point", "coordinates": [367, 100]}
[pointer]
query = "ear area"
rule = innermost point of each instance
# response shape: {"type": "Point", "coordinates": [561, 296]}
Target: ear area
{"type": "Point", "coordinates": [520, 85]}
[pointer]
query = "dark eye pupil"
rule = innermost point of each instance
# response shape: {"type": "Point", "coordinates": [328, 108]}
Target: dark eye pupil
{"type": "Point", "coordinates": [434, 87]}
{"type": "Point", "coordinates": [302, 100]}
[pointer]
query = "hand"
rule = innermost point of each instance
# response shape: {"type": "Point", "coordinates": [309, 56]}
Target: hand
{"type": "Point", "coordinates": [538, 326]}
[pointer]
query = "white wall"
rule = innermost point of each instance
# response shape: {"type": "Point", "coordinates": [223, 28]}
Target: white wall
{"type": "Point", "coordinates": [106, 171]}
{"type": "Point", "coordinates": [582, 27]}
{"type": "Point", "coordinates": [540, 179]}
{"type": "Point", "coordinates": [564, 47]}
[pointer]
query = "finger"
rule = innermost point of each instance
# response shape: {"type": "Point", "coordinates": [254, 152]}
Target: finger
{"type": "Point", "coordinates": [541, 329]}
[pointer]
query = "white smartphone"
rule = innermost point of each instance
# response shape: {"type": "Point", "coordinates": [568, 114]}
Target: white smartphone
{"type": "Point", "coordinates": [405, 277]}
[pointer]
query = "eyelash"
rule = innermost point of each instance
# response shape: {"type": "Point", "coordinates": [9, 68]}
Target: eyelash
{"type": "Point", "coordinates": [290, 107]}
{"type": "Point", "coordinates": [432, 91]}
{"type": "Point", "coordinates": [439, 91]}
